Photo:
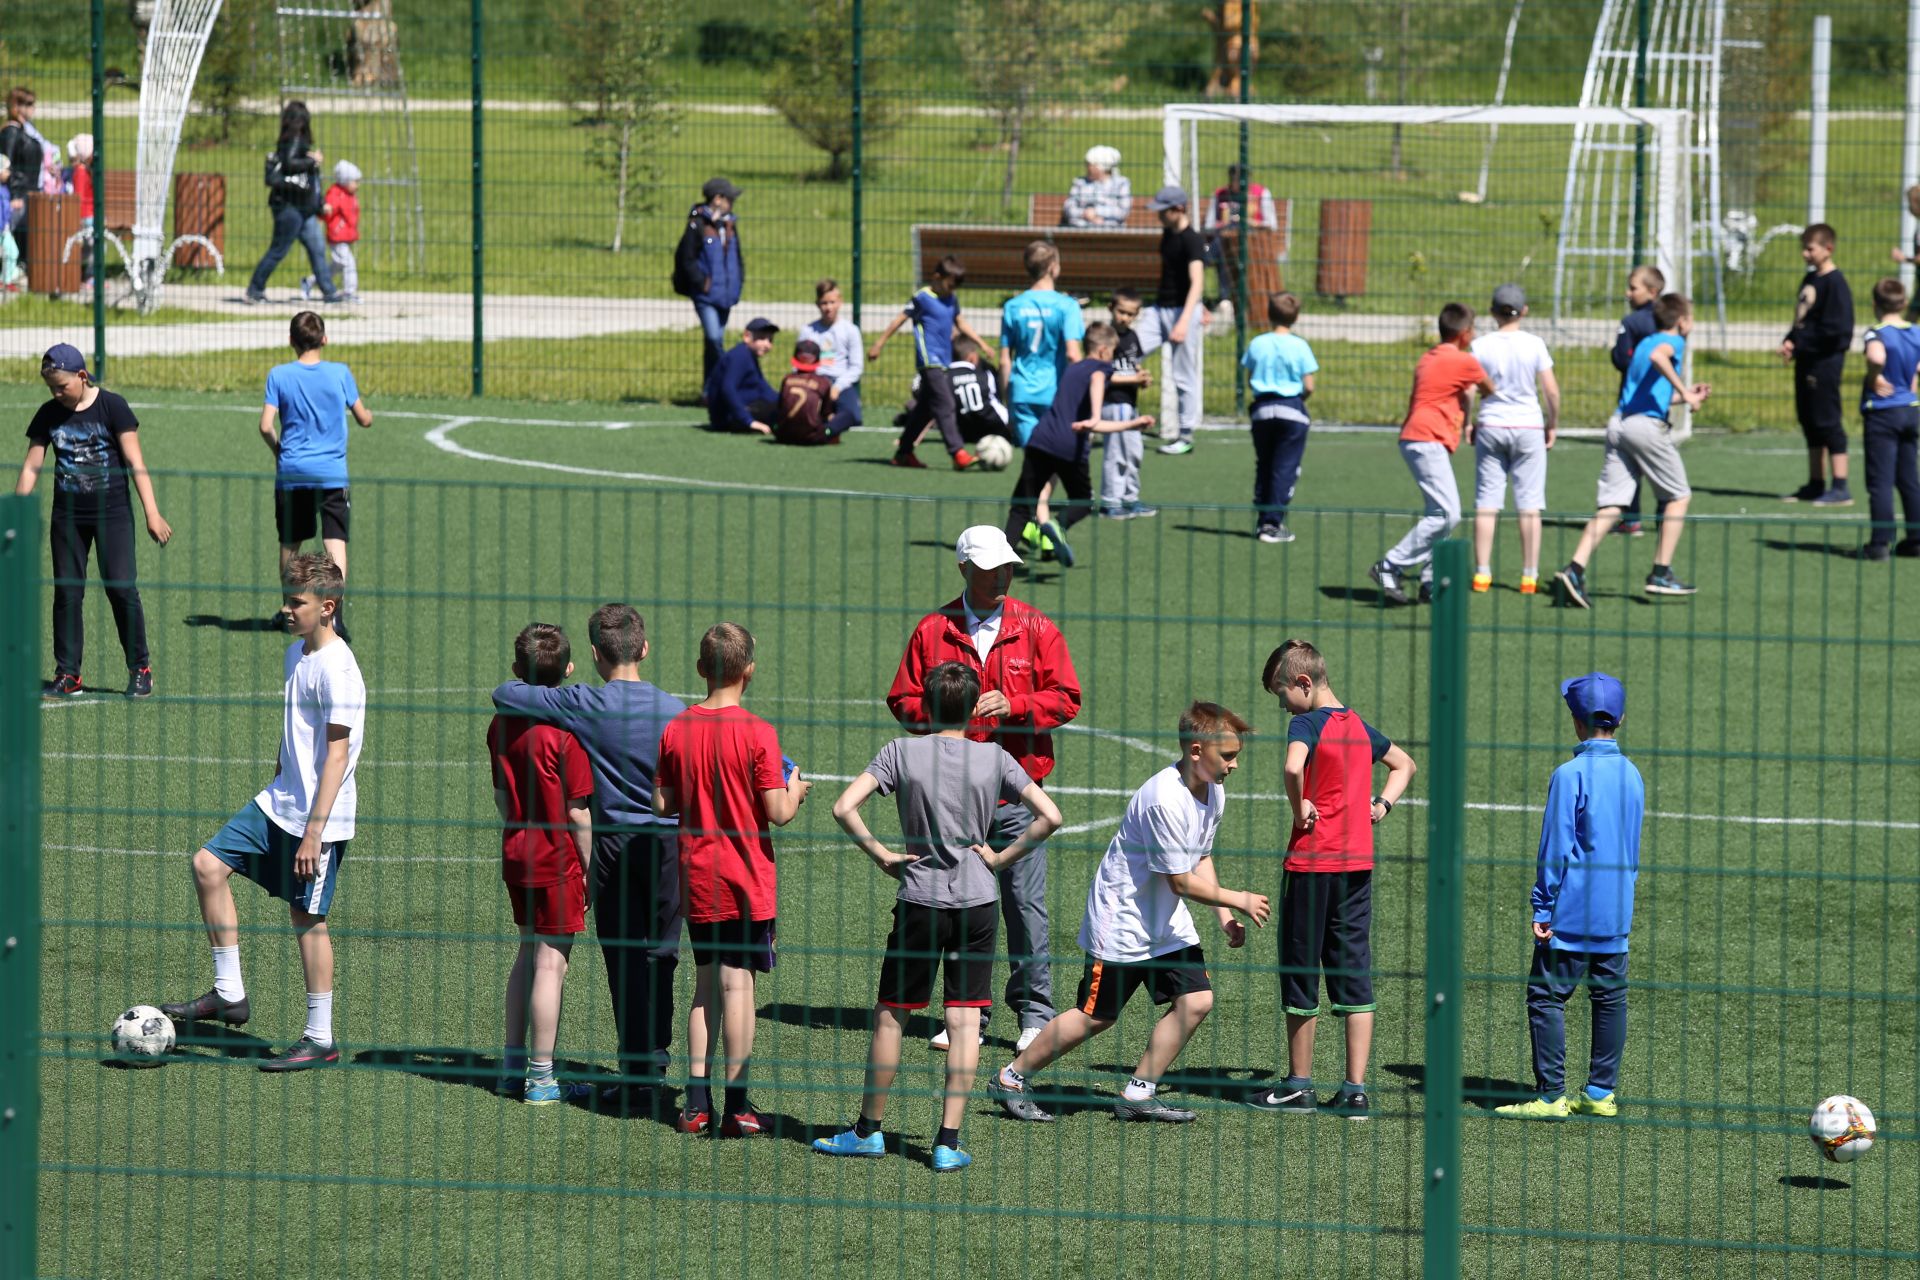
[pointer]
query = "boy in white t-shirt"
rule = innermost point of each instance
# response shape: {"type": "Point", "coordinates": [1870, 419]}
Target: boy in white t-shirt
{"type": "Point", "coordinates": [290, 838]}
{"type": "Point", "coordinates": [1515, 429]}
{"type": "Point", "coordinates": [1137, 930]}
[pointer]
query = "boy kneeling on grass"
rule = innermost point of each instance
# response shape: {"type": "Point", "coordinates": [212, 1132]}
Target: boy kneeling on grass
{"type": "Point", "coordinates": [946, 789]}
{"type": "Point", "coordinates": [1583, 904]}
{"type": "Point", "coordinates": [1137, 930]}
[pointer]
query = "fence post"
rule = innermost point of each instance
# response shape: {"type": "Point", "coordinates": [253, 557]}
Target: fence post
{"type": "Point", "coordinates": [1446, 905]}
{"type": "Point", "coordinates": [859, 128]}
{"type": "Point", "coordinates": [479, 358]}
{"type": "Point", "coordinates": [97, 246]}
{"type": "Point", "coordinates": [1246, 215]}
{"type": "Point", "coordinates": [19, 885]}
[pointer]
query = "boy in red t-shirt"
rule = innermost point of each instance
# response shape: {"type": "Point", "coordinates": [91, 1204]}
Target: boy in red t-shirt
{"type": "Point", "coordinates": [721, 773]}
{"type": "Point", "coordinates": [1326, 890]}
{"type": "Point", "coordinates": [341, 211]}
{"type": "Point", "coordinates": [542, 782]}
{"type": "Point", "coordinates": [1443, 385]}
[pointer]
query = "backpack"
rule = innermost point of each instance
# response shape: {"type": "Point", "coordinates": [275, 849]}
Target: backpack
{"type": "Point", "coordinates": [293, 188]}
{"type": "Point", "coordinates": [688, 278]}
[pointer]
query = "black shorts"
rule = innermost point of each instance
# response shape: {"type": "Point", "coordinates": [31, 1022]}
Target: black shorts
{"type": "Point", "coordinates": [298, 512]}
{"type": "Point", "coordinates": [1107, 985]}
{"type": "Point", "coordinates": [1325, 920]}
{"type": "Point", "coordinates": [956, 940]}
{"type": "Point", "coordinates": [1816, 402]}
{"type": "Point", "coordinates": [741, 944]}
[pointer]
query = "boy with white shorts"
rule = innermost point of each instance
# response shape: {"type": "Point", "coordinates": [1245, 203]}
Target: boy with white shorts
{"type": "Point", "coordinates": [1511, 439]}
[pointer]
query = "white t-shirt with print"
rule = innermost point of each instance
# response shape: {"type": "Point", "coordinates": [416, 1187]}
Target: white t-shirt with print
{"type": "Point", "coordinates": [323, 687]}
{"type": "Point", "coordinates": [1513, 360]}
{"type": "Point", "coordinates": [1133, 914]}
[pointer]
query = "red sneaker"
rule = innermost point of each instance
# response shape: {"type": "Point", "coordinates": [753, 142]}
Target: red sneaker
{"type": "Point", "coordinates": [905, 459]}
{"type": "Point", "coordinates": [744, 1124]}
{"type": "Point", "coordinates": [963, 461]}
{"type": "Point", "coordinates": [694, 1121]}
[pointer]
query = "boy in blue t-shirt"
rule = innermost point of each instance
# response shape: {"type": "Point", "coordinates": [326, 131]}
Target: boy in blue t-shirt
{"type": "Point", "coordinates": [935, 312]}
{"type": "Point", "coordinates": [1040, 333]}
{"type": "Point", "coordinates": [312, 398]}
{"type": "Point", "coordinates": [1062, 442]}
{"type": "Point", "coordinates": [1640, 447]}
{"type": "Point", "coordinates": [1280, 368]}
{"type": "Point", "coordinates": [1890, 423]}
{"type": "Point", "coordinates": [1583, 904]}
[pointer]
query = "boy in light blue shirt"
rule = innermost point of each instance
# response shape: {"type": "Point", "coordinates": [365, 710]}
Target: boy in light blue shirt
{"type": "Point", "coordinates": [1280, 368]}
{"type": "Point", "coordinates": [312, 398]}
{"type": "Point", "coordinates": [1040, 335]}
{"type": "Point", "coordinates": [1583, 904]}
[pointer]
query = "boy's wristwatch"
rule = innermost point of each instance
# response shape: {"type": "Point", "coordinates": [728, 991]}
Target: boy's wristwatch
{"type": "Point", "coordinates": [1383, 800]}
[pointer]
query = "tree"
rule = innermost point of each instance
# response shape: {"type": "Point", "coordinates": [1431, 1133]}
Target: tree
{"type": "Point", "coordinates": [1025, 55]}
{"type": "Point", "coordinates": [812, 82]}
{"type": "Point", "coordinates": [233, 69]}
{"type": "Point", "coordinates": [620, 52]}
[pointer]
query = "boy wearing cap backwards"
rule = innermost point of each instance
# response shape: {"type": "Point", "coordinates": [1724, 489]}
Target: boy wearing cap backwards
{"type": "Point", "coordinates": [935, 312]}
{"type": "Point", "coordinates": [1512, 437]}
{"type": "Point", "coordinates": [1443, 382]}
{"type": "Point", "coordinates": [1040, 333]}
{"type": "Point", "coordinates": [947, 789]}
{"type": "Point", "coordinates": [1640, 447]}
{"type": "Point", "coordinates": [1326, 887]}
{"type": "Point", "coordinates": [341, 210]}
{"type": "Point", "coordinates": [96, 446]}
{"type": "Point", "coordinates": [1176, 319]}
{"type": "Point", "coordinates": [1583, 904]}
{"type": "Point", "coordinates": [806, 401]}
{"type": "Point", "coordinates": [738, 395]}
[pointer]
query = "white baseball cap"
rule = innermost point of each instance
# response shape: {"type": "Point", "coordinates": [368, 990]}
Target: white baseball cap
{"type": "Point", "coordinates": [984, 546]}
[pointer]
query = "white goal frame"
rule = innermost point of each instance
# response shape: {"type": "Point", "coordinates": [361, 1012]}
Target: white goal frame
{"type": "Point", "coordinates": [1670, 198]}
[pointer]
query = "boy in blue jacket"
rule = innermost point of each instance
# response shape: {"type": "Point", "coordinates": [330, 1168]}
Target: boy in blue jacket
{"type": "Point", "coordinates": [739, 397]}
{"type": "Point", "coordinates": [1583, 904]}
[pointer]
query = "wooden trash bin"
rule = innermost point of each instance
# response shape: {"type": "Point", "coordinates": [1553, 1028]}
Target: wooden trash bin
{"type": "Point", "coordinates": [1263, 265]}
{"type": "Point", "coordinates": [199, 209]}
{"type": "Point", "coordinates": [51, 221]}
{"type": "Point", "coordinates": [1346, 226]}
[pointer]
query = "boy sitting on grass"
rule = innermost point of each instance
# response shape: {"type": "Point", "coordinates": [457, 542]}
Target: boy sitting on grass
{"type": "Point", "coordinates": [542, 785]}
{"type": "Point", "coordinates": [1137, 930]}
{"type": "Point", "coordinates": [947, 917]}
{"type": "Point", "coordinates": [1583, 904]}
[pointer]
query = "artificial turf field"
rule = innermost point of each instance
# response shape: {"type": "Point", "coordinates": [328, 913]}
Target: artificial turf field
{"type": "Point", "coordinates": [1775, 954]}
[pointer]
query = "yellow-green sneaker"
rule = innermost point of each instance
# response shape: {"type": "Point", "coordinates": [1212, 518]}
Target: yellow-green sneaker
{"type": "Point", "coordinates": [1535, 1109]}
{"type": "Point", "coordinates": [1033, 540]}
{"type": "Point", "coordinates": [1585, 1104]}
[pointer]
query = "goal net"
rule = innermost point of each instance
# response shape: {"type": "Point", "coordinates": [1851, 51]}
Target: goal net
{"type": "Point", "coordinates": [176, 40]}
{"type": "Point", "coordinates": [1387, 182]}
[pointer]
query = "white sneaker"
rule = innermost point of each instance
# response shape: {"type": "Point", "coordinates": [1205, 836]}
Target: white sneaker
{"type": "Point", "coordinates": [1027, 1037]}
{"type": "Point", "coordinates": [941, 1041]}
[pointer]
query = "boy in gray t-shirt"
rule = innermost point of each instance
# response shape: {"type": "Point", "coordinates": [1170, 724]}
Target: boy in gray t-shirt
{"type": "Point", "coordinates": [946, 789]}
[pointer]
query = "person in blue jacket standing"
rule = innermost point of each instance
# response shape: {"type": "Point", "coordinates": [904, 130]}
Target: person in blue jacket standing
{"type": "Point", "coordinates": [707, 266]}
{"type": "Point", "coordinates": [1583, 904]}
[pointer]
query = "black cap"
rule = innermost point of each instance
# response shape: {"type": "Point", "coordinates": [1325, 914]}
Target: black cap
{"type": "Point", "coordinates": [719, 187]}
{"type": "Point", "coordinates": [760, 324]}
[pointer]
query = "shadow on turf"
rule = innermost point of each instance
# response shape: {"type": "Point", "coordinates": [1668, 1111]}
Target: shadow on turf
{"type": "Point", "coordinates": [1850, 551]}
{"type": "Point", "coordinates": [214, 1040]}
{"type": "Point", "coordinates": [230, 624]}
{"type": "Point", "coordinates": [1484, 1092]}
{"type": "Point", "coordinates": [1205, 1082]}
{"type": "Point", "coordinates": [1811, 1183]}
{"type": "Point", "coordinates": [1216, 531]}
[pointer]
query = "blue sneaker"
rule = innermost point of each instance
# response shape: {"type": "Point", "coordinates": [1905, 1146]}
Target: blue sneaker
{"type": "Point", "coordinates": [947, 1159]}
{"type": "Point", "coordinates": [1062, 550]}
{"type": "Point", "coordinates": [850, 1143]}
{"type": "Point", "coordinates": [552, 1091]}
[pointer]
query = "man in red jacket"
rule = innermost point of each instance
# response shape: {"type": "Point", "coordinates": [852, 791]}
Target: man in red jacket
{"type": "Point", "coordinates": [1027, 687]}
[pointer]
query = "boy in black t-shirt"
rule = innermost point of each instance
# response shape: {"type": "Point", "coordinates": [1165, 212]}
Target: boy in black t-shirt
{"type": "Point", "coordinates": [1816, 346]}
{"type": "Point", "coordinates": [1062, 442]}
{"type": "Point", "coordinates": [96, 445]}
{"type": "Point", "coordinates": [1176, 317]}
{"type": "Point", "coordinates": [1120, 471]}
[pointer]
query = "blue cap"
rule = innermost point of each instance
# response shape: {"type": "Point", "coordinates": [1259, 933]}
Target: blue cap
{"type": "Point", "coordinates": [65, 357]}
{"type": "Point", "coordinates": [1595, 699]}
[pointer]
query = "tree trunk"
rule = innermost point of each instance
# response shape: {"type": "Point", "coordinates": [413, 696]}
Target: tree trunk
{"type": "Point", "coordinates": [1013, 152]}
{"type": "Point", "coordinates": [620, 188]}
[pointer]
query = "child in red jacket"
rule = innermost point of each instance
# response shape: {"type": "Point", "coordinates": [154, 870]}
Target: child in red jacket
{"type": "Point", "coordinates": [341, 210]}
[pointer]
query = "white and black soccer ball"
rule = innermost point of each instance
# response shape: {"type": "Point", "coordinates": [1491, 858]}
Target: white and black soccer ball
{"type": "Point", "coordinates": [142, 1036]}
{"type": "Point", "coordinates": [994, 452]}
{"type": "Point", "coordinates": [1842, 1129]}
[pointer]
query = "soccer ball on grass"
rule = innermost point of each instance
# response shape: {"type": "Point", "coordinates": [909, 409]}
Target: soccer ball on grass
{"type": "Point", "coordinates": [142, 1036]}
{"type": "Point", "coordinates": [1842, 1129]}
{"type": "Point", "coordinates": [994, 452]}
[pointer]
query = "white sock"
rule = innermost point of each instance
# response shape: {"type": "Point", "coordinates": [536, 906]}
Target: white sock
{"type": "Point", "coordinates": [1531, 572]}
{"type": "Point", "coordinates": [320, 1017]}
{"type": "Point", "coordinates": [226, 974]}
{"type": "Point", "coordinates": [1009, 1076]}
{"type": "Point", "coordinates": [1139, 1090]}
{"type": "Point", "coordinates": [540, 1069]}
{"type": "Point", "coordinates": [1485, 569]}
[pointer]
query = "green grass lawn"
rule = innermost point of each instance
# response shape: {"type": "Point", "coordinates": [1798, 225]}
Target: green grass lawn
{"type": "Point", "coordinates": [1775, 951]}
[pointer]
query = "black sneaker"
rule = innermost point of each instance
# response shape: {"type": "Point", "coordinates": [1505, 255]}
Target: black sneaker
{"type": "Point", "coordinates": [304, 1056]}
{"type": "Point", "coordinates": [1352, 1106]}
{"type": "Point", "coordinates": [1838, 496]}
{"type": "Point", "coordinates": [140, 683]}
{"type": "Point", "coordinates": [1388, 582]}
{"type": "Point", "coordinates": [1426, 593]}
{"type": "Point", "coordinates": [63, 686]}
{"type": "Point", "coordinates": [1152, 1109]}
{"type": "Point", "coordinates": [1875, 551]}
{"type": "Point", "coordinates": [1573, 586]}
{"type": "Point", "coordinates": [1017, 1103]}
{"type": "Point", "coordinates": [1295, 1101]}
{"type": "Point", "coordinates": [1807, 492]}
{"type": "Point", "coordinates": [1662, 582]}
{"type": "Point", "coordinates": [210, 1008]}
{"type": "Point", "coordinates": [1907, 548]}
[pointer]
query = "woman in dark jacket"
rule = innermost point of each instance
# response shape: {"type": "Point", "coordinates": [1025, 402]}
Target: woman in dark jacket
{"type": "Point", "coordinates": [295, 202]}
{"type": "Point", "coordinates": [20, 143]}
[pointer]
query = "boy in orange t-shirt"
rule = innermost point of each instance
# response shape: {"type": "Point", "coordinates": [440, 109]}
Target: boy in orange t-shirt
{"type": "Point", "coordinates": [1443, 384]}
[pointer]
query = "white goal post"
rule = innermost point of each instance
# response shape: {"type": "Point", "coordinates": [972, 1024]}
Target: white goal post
{"type": "Point", "coordinates": [1669, 199]}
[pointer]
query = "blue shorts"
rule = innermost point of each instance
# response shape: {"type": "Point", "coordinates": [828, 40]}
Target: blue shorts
{"type": "Point", "coordinates": [1024, 418]}
{"type": "Point", "coordinates": [255, 846]}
